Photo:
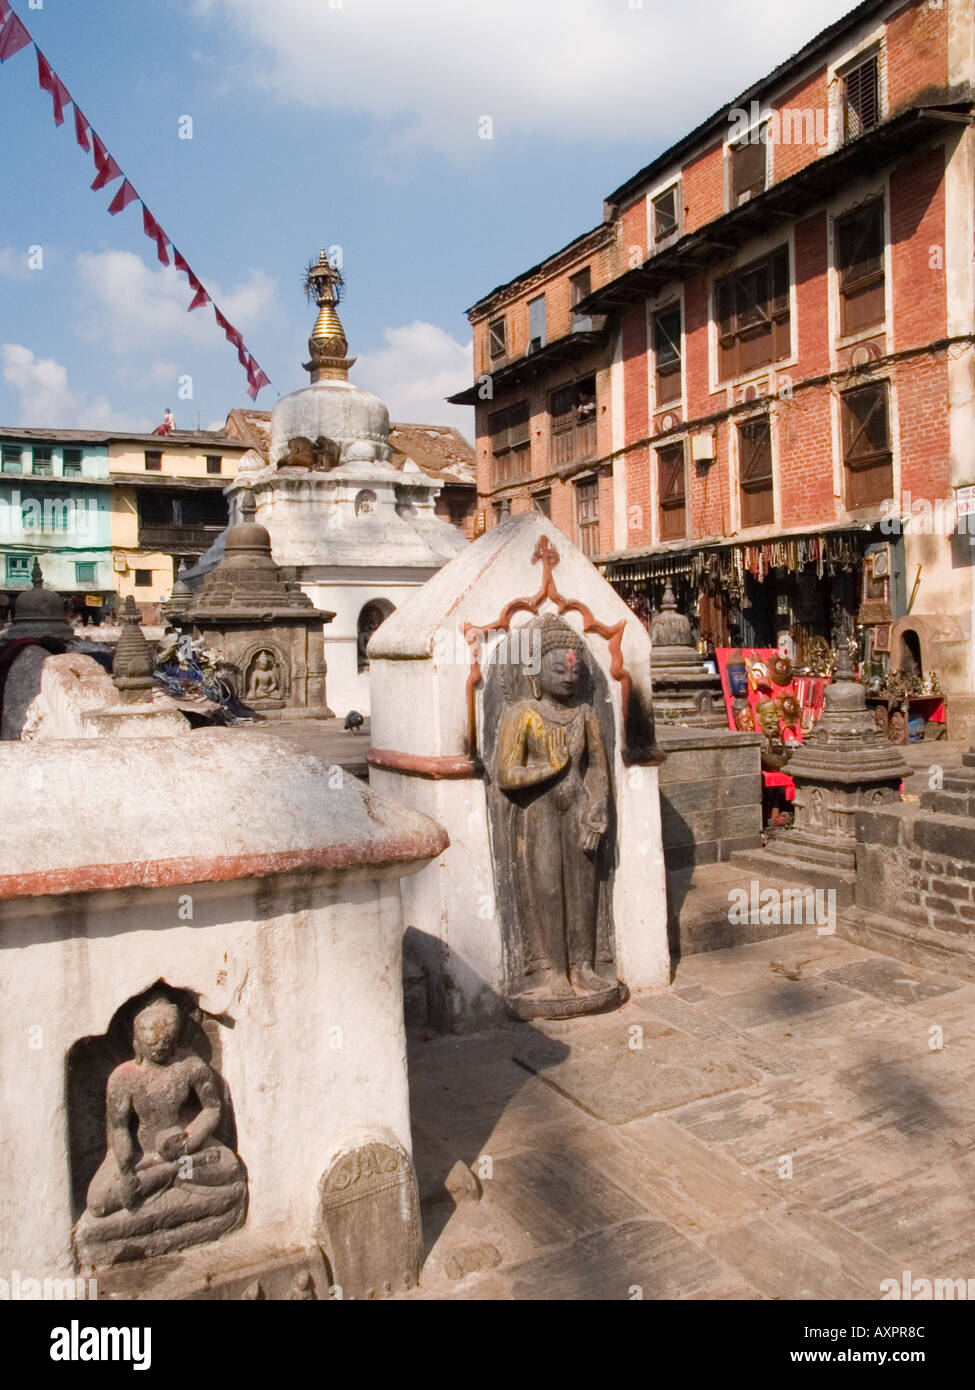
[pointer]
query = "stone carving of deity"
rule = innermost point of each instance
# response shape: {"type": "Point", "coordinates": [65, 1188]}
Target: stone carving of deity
{"type": "Point", "coordinates": [551, 767]}
{"type": "Point", "coordinates": [166, 1181]}
{"type": "Point", "coordinates": [262, 679]}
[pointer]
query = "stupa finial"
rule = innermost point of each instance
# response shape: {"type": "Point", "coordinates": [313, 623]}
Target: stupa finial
{"type": "Point", "coordinates": [328, 345]}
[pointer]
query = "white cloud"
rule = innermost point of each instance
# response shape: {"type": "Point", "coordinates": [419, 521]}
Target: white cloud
{"type": "Point", "coordinates": [567, 68]}
{"type": "Point", "coordinates": [47, 401]}
{"type": "Point", "coordinates": [418, 367]}
{"type": "Point", "coordinates": [129, 305]}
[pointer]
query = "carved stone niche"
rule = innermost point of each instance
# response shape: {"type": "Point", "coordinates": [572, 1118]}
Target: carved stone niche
{"type": "Point", "coordinates": [369, 1217]}
{"type": "Point", "coordinates": [152, 1138]}
{"type": "Point", "coordinates": [265, 676]}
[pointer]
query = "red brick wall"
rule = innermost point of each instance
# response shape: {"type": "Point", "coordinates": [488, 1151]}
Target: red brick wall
{"type": "Point", "coordinates": [917, 236]}
{"type": "Point", "coordinates": [810, 96]}
{"type": "Point", "coordinates": [917, 52]}
{"type": "Point", "coordinates": [704, 188]}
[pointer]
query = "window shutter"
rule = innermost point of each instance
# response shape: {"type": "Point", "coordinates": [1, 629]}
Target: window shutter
{"type": "Point", "coordinates": [866, 444]}
{"type": "Point", "coordinates": [862, 98]}
{"type": "Point", "coordinates": [747, 169]}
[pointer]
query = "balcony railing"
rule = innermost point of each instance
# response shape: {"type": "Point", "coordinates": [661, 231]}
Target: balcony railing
{"type": "Point", "coordinates": [576, 442]}
{"type": "Point", "coordinates": [177, 537]}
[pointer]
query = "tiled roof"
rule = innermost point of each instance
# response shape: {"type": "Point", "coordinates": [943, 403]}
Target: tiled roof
{"type": "Point", "coordinates": [440, 450]}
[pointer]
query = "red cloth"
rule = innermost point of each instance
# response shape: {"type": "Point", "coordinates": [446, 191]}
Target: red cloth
{"type": "Point", "coordinates": [81, 128]}
{"type": "Point", "coordinates": [780, 779]}
{"type": "Point", "coordinates": [123, 198]}
{"type": "Point", "coordinates": [156, 234]}
{"type": "Point", "coordinates": [179, 261]}
{"type": "Point", "coordinates": [199, 299]}
{"type": "Point", "coordinates": [4, 10]}
{"type": "Point", "coordinates": [256, 379]}
{"type": "Point", "coordinates": [13, 37]}
{"type": "Point", "coordinates": [231, 332]}
{"type": "Point", "coordinates": [108, 170]}
{"type": "Point", "coordinates": [50, 82]}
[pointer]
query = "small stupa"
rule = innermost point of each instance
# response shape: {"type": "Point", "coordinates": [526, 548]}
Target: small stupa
{"type": "Point", "coordinates": [685, 692]}
{"type": "Point", "coordinates": [261, 625]}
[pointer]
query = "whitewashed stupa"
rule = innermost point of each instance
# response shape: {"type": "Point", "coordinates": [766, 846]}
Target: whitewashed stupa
{"type": "Point", "coordinates": [359, 534]}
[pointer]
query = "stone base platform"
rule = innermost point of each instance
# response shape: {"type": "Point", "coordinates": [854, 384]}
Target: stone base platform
{"type": "Point", "coordinates": [236, 1267]}
{"type": "Point", "coordinates": [805, 859]}
{"type": "Point", "coordinates": [710, 794]}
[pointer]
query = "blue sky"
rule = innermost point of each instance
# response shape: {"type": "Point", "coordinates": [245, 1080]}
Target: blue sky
{"type": "Point", "coordinates": [317, 123]}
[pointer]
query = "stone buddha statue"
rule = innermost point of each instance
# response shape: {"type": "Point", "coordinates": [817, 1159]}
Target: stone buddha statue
{"type": "Point", "coordinates": [551, 766]}
{"type": "Point", "coordinates": [166, 1181]}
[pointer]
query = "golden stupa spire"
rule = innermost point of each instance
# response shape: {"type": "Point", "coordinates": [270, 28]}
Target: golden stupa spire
{"type": "Point", "coordinates": [327, 344]}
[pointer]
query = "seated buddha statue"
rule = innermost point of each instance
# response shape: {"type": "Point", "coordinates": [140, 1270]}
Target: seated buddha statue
{"type": "Point", "coordinates": [166, 1181]}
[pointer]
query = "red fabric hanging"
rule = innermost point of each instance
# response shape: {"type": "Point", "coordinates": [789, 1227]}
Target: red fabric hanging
{"type": "Point", "coordinates": [199, 299]}
{"type": "Point", "coordinates": [179, 261]}
{"type": "Point", "coordinates": [50, 82]}
{"type": "Point", "coordinates": [256, 379]}
{"type": "Point", "coordinates": [123, 198]}
{"type": "Point", "coordinates": [4, 10]}
{"type": "Point", "coordinates": [81, 129]}
{"type": "Point", "coordinates": [13, 37]}
{"type": "Point", "coordinates": [232, 335]}
{"type": "Point", "coordinates": [108, 170]}
{"type": "Point", "coordinates": [156, 234]}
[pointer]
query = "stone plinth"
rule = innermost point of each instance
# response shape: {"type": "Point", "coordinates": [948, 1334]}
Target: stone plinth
{"type": "Point", "coordinates": [259, 885]}
{"type": "Point", "coordinates": [844, 765]}
{"type": "Point", "coordinates": [438, 733]}
{"type": "Point", "coordinates": [685, 692]}
{"type": "Point", "coordinates": [710, 795]}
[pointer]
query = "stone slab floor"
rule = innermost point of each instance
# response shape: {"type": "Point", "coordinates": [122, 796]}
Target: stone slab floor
{"type": "Point", "coordinates": [781, 1125]}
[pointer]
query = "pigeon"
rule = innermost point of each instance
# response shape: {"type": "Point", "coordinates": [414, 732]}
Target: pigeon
{"type": "Point", "coordinates": [354, 721]}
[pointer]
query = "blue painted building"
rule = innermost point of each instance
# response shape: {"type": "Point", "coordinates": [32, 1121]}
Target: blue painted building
{"type": "Point", "coordinates": [55, 503]}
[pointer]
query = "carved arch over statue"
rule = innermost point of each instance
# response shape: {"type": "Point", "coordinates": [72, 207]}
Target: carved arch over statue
{"type": "Point", "coordinates": [259, 674]}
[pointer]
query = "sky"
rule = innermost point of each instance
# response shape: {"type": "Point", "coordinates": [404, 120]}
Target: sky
{"type": "Point", "coordinates": [350, 124]}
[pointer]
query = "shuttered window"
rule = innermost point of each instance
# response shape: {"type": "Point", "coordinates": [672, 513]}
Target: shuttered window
{"type": "Point", "coordinates": [573, 415]}
{"type": "Point", "coordinates": [510, 432]}
{"type": "Point", "coordinates": [748, 168]}
{"type": "Point", "coordinates": [671, 492]}
{"type": "Point", "coordinates": [587, 516]}
{"type": "Point", "coordinates": [496, 338]}
{"type": "Point", "coordinates": [666, 214]}
{"type": "Point", "coordinates": [866, 445]}
{"type": "Point", "coordinates": [861, 97]}
{"type": "Point", "coordinates": [542, 502]}
{"type": "Point", "coordinates": [752, 310]}
{"type": "Point", "coordinates": [755, 486]}
{"type": "Point", "coordinates": [860, 259]}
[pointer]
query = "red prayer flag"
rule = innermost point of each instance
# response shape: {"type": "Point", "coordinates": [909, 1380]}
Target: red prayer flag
{"type": "Point", "coordinates": [123, 198]}
{"type": "Point", "coordinates": [156, 233]}
{"type": "Point", "coordinates": [199, 299]}
{"type": "Point", "coordinates": [50, 82]}
{"type": "Point", "coordinates": [81, 129]}
{"type": "Point", "coordinates": [179, 261]}
{"type": "Point", "coordinates": [256, 380]}
{"type": "Point", "coordinates": [231, 332]}
{"type": "Point", "coordinates": [107, 173]}
{"type": "Point", "coordinates": [13, 37]}
{"type": "Point", "coordinates": [4, 10]}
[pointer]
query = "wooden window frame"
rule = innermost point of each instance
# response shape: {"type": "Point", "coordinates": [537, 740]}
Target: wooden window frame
{"type": "Point", "coordinates": [75, 463]}
{"type": "Point", "coordinates": [756, 488]}
{"type": "Point", "coordinates": [661, 238]}
{"type": "Point", "coordinates": [510, 434]}
{"type": "Point", "coordinates": [868, 472]}
{"type": "Point", "coordinates": [665, 375]}
{"type": "Point", "coordinates": [581, 323]}
{"type": "Point", "coordinates": [214, 459]}
{"type": "Point", "coordinates": [852, 129]}
{"type": "Point", "coordinates": [140, 583]}
{"type": "Point", "coordinates": [542, 502]}
{"type": "Point", "coordinates": [495, 351]}
{"type": "Point", "coordinates": [861, 283]}
{"type": "Point", "coordinates": [672, 491]}
{"type": "Point", "coordinates": [12, 460]}
{"type": "Point", "coordinates": [155, 455]}
{"type": "Point", "coordinates": [86, 565]}
{"type": "Point", "coordinates": [572, 421]}
{"type": "Point", "coordinates": [737, 196]}
{"type": "Point", "coordinates": [45, 457]}
{"type": "Point", "coordinates": [536, 341]}
{"type": "Point", "coordinates": [586, 515]}
{"type": "Point", "coordinates": [742, 319]}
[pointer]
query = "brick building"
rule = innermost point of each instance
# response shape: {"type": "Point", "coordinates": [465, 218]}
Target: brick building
{"type": "Point", "coordinates": [754, 378]}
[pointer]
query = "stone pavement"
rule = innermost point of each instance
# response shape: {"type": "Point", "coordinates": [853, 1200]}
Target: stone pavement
{"type": "Point", "coordinates": [777, 1126]}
